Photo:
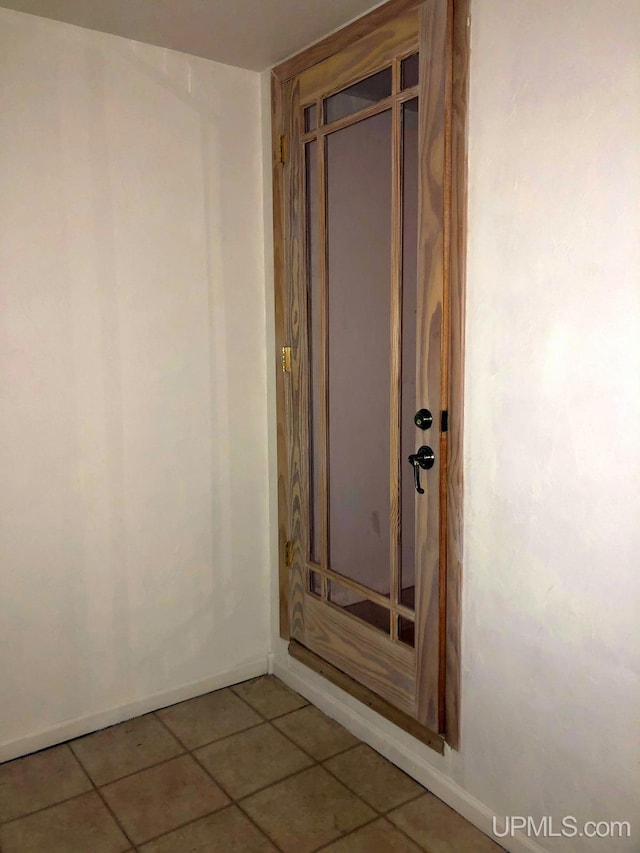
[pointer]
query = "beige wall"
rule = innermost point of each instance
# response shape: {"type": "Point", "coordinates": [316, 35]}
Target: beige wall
{"type": "Point", "coordinates": [133, 487]}
{"type": "Point", "coordinates": [551, 644]}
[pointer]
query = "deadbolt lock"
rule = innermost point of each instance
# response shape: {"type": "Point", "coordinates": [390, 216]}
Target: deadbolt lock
{"type": "Point", "coordinates": [423, 419]}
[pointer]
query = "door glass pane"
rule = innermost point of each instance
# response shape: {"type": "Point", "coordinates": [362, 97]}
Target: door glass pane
{"type": "Point", "coordinates": [356, 604]}
{"type": "Point", "coordinates": [310, 118]}
{"type": "Point", "coordinates": [360, 95]}
{"type": "Point", "coordinates": [409, 68]}
{"type": "Point", "coordinates": [359, 263]}
{"type": "Point", "coordinates": [406, 631]}
{"type": "Point", "coordinates": [313, 331]}
{"type": "Point", "coordinates": [410, 436]}
{"type": "Point", "coordinates": [315, 583]}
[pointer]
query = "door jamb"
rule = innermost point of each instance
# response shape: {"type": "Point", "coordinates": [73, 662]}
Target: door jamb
{"type": "Point", "coordinates": [458, 50]}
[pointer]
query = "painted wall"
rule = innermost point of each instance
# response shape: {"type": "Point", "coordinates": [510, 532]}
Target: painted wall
{"type": "Point", "coordinates": [133, 493]}
{"type": "Point", "coordinates": [551, 646]}
{"type": "Point", "coordinates": [552, 506]}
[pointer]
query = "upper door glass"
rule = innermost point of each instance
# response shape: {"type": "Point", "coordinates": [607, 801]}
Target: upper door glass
{"type": "Point", "coordinates": [410, 68]}
{"type": "Point", "coordinates": [354, 98]}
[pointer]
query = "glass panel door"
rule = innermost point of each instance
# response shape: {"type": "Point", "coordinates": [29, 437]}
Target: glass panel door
{"type": "Point", "coordinates": [359, 312]}
{"type": "Point", "coordinates": [364, 266]}
{"type": "Point", "coordinates": [361, 246]}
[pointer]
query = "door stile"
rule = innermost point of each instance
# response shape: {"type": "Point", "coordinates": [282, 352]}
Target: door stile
{"type": "Point", "coordinates": [444, 372]}
{"type": "Point", "coordinates": [298, 397]}
{"type": "Point", "coordinates": [395, 401]}
{"type": "Point", "coordinates": [459, 47]}
{"type": "Point", "coordinates": [281, 313]}
{"type": "Point", "coordinates": [431, 106]}
{"type": "Point", "coordinates": [324, 349]}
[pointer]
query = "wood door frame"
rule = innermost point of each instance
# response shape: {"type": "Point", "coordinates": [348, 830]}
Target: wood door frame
{"type": "Point", "coordinates": [455, 206]}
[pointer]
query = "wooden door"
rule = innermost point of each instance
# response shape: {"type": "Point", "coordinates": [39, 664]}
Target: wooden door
{"type": "Point", "coordinates": [366, 216]}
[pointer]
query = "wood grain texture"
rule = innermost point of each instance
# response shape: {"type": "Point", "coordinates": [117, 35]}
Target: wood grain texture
{"type": "Point", "coordinates": [360, 115]}
{"type": "Point", "coordinates": [398, 35]}
{"type": "Point", "coordinates": [431, 271]}
{"type": "Point", "coordinates": [297, 412]}
{"type": "Point", "coordinates": [444, 371]}
{"type": "Point", "coordinates": [367, 697]}
{"type": "Point", "coordinates": [324, 352]}
{"type": "Point", "coordinates": [345, 37]}
{"type": "Point", "coordinates": [362, 652]}
{"type": "Point", "coordinates": [280, 311]}
{"type": "Point", "coordinates": [395, 349]}
{"type": "Point", "coordinates": [460, 52]}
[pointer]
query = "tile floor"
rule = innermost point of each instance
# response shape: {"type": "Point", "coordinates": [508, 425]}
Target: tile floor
{"type": "Point", "coordinates": [249, 769]}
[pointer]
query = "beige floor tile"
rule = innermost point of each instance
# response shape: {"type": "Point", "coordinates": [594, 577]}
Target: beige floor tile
{"type": "Point", "coordinates": [307, 810]}
{"type": "Point", "coordinates": [228, 831]}
{"type": "Point", "coordinates": [81, 825]}
{"type": "Point", "coordinates": [40, 780]}
{"type": "Point", "coordinates": [316, 733]}
{"type": "Point", "coordinates": [208, 718]}
{"type": "Point", "coordinates": [440, 829]}
{"type": "Point", "coordinates": [373, 778]}
{"type": "Point", "coordinates": [377, 837]}
{"type": "Point", "coordinates": [126, 748]}
{"type": "Point", "coordinates": [251, 760]}
{"type": "Point", "coordinates": [269, 696]}
{"type": "Point", "coordinates": [163, 798]}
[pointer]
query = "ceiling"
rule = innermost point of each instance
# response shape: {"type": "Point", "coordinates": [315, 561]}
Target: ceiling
{"type": "Point", "coordinates": [254, 34]}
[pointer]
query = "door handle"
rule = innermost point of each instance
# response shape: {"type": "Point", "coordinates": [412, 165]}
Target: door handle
{"type": "Point", "coordinates": [425, 459]}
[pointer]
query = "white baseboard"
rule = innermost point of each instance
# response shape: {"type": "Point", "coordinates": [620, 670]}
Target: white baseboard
{"type": "Point", "coordinates": [93, 722]}
{"type": "Point", "coordinates": [394, 744]}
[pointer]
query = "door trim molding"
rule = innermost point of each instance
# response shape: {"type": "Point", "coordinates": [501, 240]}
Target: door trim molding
{"type": "Point", "coordinates": [344, 37]}
{"type": "Point", "coordinates": [455, 288]}
{"type": "Point", "coordinates": [458, 49]}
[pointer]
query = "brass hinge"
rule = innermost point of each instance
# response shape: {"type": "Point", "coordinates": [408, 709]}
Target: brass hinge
{"type": "Point", "coordinates": [288, 554]}
{"type": "Point", "coordinates": [286, 359]}
{"type": "Point", "coordinates": [282, 149]}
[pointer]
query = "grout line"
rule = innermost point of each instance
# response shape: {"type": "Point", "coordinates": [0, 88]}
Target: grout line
{"type": "Point", "coordinates": [380, 815]}
{"type": "Point", "coordinates": [286, 778]}
{"type": "Point", "coordinates": [259, 828]}
{"type": "Point", "coordinates": [106, 804]}
{"type": "Point", "coordinates": [317, 762]}
{"type": "Point", "coordinates": [369, 823]}
{"type": "Point", "coordinates": [133, 772]}
{"type": "Point", "coordinates": [381, 812]}
{"type": "Point", "coordinates": [406, 802]}
{"type": "Point", "coordinates": [237, 803]}
{"type": "Point", "coordinates": [305, 704]}
{"type": "Point", "coordinates": [185, 824]}
{"type": "Point", "coordinates": [44, 808]}
{"type": "Point", "coordinates": [222, 788]}
{"type": "Point", "coordinates": [346, 835]}
{"type": "Point", "coordinates": [313, 757]}
{"type": "Point", "coordinates": [209, 742]}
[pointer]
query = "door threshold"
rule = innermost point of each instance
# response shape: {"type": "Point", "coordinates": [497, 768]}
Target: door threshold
{"type": "Point", "coordinates": [367, 697]}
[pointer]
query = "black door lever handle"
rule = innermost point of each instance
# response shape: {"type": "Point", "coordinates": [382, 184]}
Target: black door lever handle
{"type": "Point", "coordinates": [425, 459]}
